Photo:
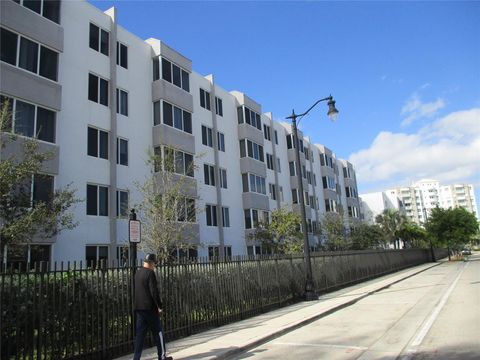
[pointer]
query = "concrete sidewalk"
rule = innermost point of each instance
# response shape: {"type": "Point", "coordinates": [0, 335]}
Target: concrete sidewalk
{"type": "Point", "coordinates": [229, 340]}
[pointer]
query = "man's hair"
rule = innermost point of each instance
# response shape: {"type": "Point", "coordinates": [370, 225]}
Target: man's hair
{"type": "Point", "coordinates": [151, 258]}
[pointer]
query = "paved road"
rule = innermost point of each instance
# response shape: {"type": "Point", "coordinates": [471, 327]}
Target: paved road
{"type": "Point", "coordinates": [433, 315]}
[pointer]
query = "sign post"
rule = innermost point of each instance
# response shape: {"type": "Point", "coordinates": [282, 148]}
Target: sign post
{"type": "Point", "coordinates": [134, 237]}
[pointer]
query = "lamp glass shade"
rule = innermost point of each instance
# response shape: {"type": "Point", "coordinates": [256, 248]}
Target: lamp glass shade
{"type": "Point", "coordinates": [332, 110]}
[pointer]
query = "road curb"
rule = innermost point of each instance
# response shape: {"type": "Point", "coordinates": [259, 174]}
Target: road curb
{"type": "Point", "coordinates": [257, 342]}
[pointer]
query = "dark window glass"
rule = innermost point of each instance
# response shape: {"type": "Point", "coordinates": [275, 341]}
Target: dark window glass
{"type": "Point", "coordinates": [123, 103]}
{"type": "Point", "coordinates": [28, 55]}
{"type": "Point", "coordinates": [167, 114]}
{"type": "Point", "coordinates": [34, 5]}
{"type": "Point", "coordinates": [42, 189]}
{"type": "Point", "coordinates": [122, 155]}
{"type": "Point", "coordinates": [242, 148]}
{"type": "Point", "coordinates": [39, 253]}
{"type": "Point", "coordinates": [45, 125]}
{"type": "Point", "coordinates": [156, 68]}
{"type": "Point", "coordinates": [209, 215]}
{"type": "Point", "coordinates": [179, 164]}
{"type": "Point", "coordinates": [92, 199]}
{"type": "Point", "coordinates": [245, 182]}
{"type": "Point", "coordinates": [289, 142]}
{"type": "Point", "coordinates": [185, 81]}
{"type": "Point", "coordinates": [103, 92]}
{"type": "Point", "coordinates": [24, 119]}
{"type": "Point", "coordinates": [191, 210]}
{"type": "Point", "coordinates": [122, 203]}
{"type": "Point", "coordinates": [276, 137]}
{"type": "Point", "coordinates": [102, 201]}
{"type": "Point", "coordinates": [92, 148]}
{"type": "Point", "coordinates": [207, 100]}
{"type": "Point", "coordinates": [51, 10]}
{"type": "Point", "coordinates": [103, 153]}
{"type": "Point", "coordinates": [122, 55]}
{"type": "Point", "coordinates": [8, 46]}
{"type": "Point", "coordinates": [92, 88]}
{"type": "Point", "coordinates": [248, 219]}
{"type": "Point", "coordinates": [206, 178]}
{"type": "Point", "coordinates": [226, 222]}
{"type": "Point", "coordinates": [259, 122]}
{"type": "Point", "coordinates": [48, 63]}
{"type": "Point", "coordinates": [240, 115]}
{"type": "Point", "coordinates": [166, 70]}
{"type": "Point", "coordinates": [156, 113]}
{"type": "Point", "coordinates": [250, 148]}
{"type": "Point", "coordinates": [90, 255]}
{"type": "Point", "coordinates": [177, 75]}
{"type": "Point", "coordinates": [187, 122]}
{"type": "Point", "coordinates": [260, 149]}
{"type": "Point", "coordinates": [204, 135]}
{"type": "Point", "coordinates": [202, 98]}
{"type": "Point", "coordinates": [177, 118]}
{"type": "Point", "coordinates": [189, 165]}
{"type": "Point", "coordinates": [104, 42]}
{"type": "Point", "coordinates": [93, 42]}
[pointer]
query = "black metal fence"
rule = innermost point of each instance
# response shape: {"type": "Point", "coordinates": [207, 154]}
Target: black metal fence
{"type": "Point", "coordinates": [70, 312]}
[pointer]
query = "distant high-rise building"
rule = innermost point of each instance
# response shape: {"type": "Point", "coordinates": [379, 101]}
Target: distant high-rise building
{"type": "Point", "coordinates": [418, 200]}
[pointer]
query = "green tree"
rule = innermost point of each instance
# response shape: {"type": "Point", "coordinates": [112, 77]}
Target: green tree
{"type": "Point", "coordinates": [333, 228]}
{"type": "Point", "coordinates": [22, 219]}
{"type": "Point", "coordinates": [391, 223]}
{"type": "Point", "coordinates": [282, 234]}
{"type": "Point", "coordinates": [166, 210]}
{"type": "Point", "coordinates": [452, 227]}
{"type": "Point", "coordinates": [413, 235]}
{"type": "Point", "coordinates": [365, 236]}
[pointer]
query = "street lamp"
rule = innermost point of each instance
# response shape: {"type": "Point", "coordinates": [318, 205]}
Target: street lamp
{"type": "Point", "coordinates": [332, 114]}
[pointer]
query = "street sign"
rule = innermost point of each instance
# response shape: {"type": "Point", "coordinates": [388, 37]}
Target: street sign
{"type": "Point", "coordinates": [134, 231]}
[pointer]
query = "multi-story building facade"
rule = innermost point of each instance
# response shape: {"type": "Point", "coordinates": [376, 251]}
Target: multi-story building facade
{"type": "Point", "coordinates": [102, 100]}
{"type": "Point", "coordinates": [418, 200]}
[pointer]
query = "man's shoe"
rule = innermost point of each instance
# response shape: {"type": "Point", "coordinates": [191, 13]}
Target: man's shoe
{"type": "Point", "coordinates": [167, 358]}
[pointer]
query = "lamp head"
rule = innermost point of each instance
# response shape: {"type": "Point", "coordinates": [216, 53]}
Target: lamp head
{"type": "Point", "coordinates": [332, 110]}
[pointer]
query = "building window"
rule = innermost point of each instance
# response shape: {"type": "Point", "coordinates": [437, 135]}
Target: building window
{"type": "Point", "coordinates": [49, 9]}
{"type": "Point", "coordinates": [122, 151]}
{"type": "Point", "coordinates": [209, 174]}
{"type": "Point", "coordinates": [347, 173]}
{"type": "Point", "coordinates": [172, 73]}
{"type": "Point", "coordinates": [266, 132]}
{"type": "Point", "coordinates": [326, 160]}
{"type": "Point", "coordinates": [251, 149]}
{"type": "Point", "coordinates": [223, 178]}
{"type": "Point", "coordinates": [225, 217]}
{"type": "Point", "coordinates": [170, 160]}
{"type": "Point", "coordinates": [279, 169]}
{"type": "Point", "coordinates": [204, 99]}
{"type": "Point", "coordinates": [30, 120]}
{"type": "Point", "coordinates": [253, 183]}
{"type": "Point", "coordinates": [292, 168]}
{"type": "Point", "coordinates": [211, 213]}
{"type": "Point", "coordinates": [294, 196]}
{"type": "Point", "coordinates": [32, 56]}
{"type": "Point", "coordinates": [122, 55]}
{"type": "Point", "coordinates": [172, 116]}
{"type": "Point", "coordinates": [273, 191]}
{"type": "Point", "coordinates": [221, 141]}
{"type": "Point", "coordinates": [251, 218]}
{"type": "Point", "coordinates": [329, 183]}
{"type": "Point", "coordinates": [290, 142]}
{"type": "Point", "coordinates": [97, 200]}
{"type": "Point", "coordinates": [97, 89]}
{"type": "Point", "coordinates": [214, 252]}
{"type": "Point", "coordinates": [99, 39]}
{"type": "Point", "coordinates": [95, 253]}
{"type": "Point", "coordinates": [185, 210]}
{"type": "Point", "coordinates": [42, 189]}
{"type": "Point", "coordinates": [122, 203]}
{"type": "Point", "coordinates": [270, 161]}
{"type": "Point", "coordinates": [207, 136]}
{"type": "Point", "coordinates": [122, 102]}
{"type": "Point", "coordinates": [97, 143]}
{"type": "Point", "coordinates": [245, 115]}
{"type": "Point", "coordinates": [330, 205]}
{"type": "Point", "coordinates": [281, 194]}
{"type": "Point", "coordinates": [218, 106]}
{"type": "Point", "coordinates": [276, 136]}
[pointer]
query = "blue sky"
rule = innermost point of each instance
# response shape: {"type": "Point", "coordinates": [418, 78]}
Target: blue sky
{"type": "Point", "coordinates": [405, 75]}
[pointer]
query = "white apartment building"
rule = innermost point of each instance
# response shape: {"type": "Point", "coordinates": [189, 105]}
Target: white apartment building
{"type": "Point", "coordinates": [418, 200]}
{"type": "Point", "coordinates": [102, 99]}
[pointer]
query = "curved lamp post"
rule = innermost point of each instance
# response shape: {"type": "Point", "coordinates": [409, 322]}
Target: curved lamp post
{"type": "Point", "coordinates": [332, 114]}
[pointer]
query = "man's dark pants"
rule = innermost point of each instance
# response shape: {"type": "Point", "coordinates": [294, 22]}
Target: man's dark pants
{"type": "Point", "coordinates": [147, 319]}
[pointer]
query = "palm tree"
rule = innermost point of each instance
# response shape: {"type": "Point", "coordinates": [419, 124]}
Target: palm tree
{"type": "Point", "coordinates": [391, 222]}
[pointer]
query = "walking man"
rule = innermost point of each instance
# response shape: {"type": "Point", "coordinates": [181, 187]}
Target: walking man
{"type": "Point", "coordinates": [148, 308]}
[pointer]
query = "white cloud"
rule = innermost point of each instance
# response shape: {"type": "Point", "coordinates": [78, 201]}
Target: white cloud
{"type": "Point", "coordinates": [414, 108]}
{"type": "Point", "coordinates": [447, 149]}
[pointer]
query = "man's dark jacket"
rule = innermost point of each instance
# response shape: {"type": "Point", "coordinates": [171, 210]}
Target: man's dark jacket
{"type": "Point", "coordinates": [147, 296]}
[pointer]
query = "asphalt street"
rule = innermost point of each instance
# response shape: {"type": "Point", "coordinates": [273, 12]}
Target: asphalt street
{"type": "Point", "coordinates": [433, 315]}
